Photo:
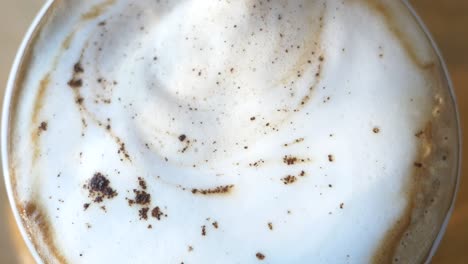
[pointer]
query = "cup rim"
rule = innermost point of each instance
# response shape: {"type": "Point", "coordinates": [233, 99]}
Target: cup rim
{"type": "Point", "coordinates": [436, 243]}
{"type": "Point", "coordinates": [18, 62]}
{"type": "Point", "coordinates": [5, 127]}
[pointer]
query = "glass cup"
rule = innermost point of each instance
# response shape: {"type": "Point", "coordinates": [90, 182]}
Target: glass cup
{"type": "Point", "coordinates": [20, 62]}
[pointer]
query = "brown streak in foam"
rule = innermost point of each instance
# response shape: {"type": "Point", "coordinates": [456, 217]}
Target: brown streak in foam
{"type": "Point", "coordinates": [37, 108]}
{"type": "Point", "coordinates": [39, 100]}
{"type": "Point", "coordinates": [67, 42]}
{"type": "Point", "coordinates": [313, 48]}
{"type": "Point", "coordinates": [38, 103]}
{"type": "Point", "coordinates": [392, 23]}
{"type": "Point", "coordinates": [97, 10]}
{"type": "Point", "coordinates": [218, 190]}
{"type": "Point", "coordinates": [386, 251]}
{"type": "Point", "coordinates": [38, 228]}
{"type": "Point", "coordinates": [85, 113]}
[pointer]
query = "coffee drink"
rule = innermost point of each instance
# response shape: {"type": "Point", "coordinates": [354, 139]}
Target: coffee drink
{"type": "Point", "coordinates": [275, 131]}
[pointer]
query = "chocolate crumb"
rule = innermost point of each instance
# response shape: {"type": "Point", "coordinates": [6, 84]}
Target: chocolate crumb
{"type": "Point", "coordinates": [75, 83]}
{"type": "Point", "coordinates": [182, 137]}
{"type": "Point", "coordinates": [289, 160]}
{"type": "Point", "coordinates": [331, 158]}
{"type": "Point", "coordinates": [43, 126]}
{"type": "Point", "coordinates": [376, 130]}
{"type": "Point", "coordinates": [156, 213]}
{"type": "Point", "coordinates": [203, 232]}
{"type": "Point", "coordinates": [142, 197]}
{"type": "Point", "coordinates": [260, 256]}
{"type": "Point", "coordinates": [190, 248]}
{"type": "Point", "coordinates": [77, 68]}
{"type": "Point", "coordinates": [270, 226]}
{"type": "Point", "coordinates": [215, 225]}
{"type": "Point", "coordinates": [302, 174]}
{"type": "Point", "coordinates": [341, 205]}
{"type": "Point", "coordinates": [142, 183]}
{"type": "Point", "coordinates": [143, 212]}
{"type": "Point", "coordinates": [252, 118]}
{"type": "Point", "coordinates": [86, 206]}
{"type": "Point", "coordinates": [289, 179]}
{"type": "Point", "coordinates": [418, 164]}
{"type": "Point", "coordinates": [150, 226]}
{"type": "Point", "coordinates": [99, 188]}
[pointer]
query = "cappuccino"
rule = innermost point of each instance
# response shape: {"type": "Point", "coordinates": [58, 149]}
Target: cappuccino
{"type": "Point", "coordinates": [274, 131]}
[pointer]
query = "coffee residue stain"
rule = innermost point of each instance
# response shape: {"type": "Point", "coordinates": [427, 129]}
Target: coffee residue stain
{"type": "Point", "coordinates": [40, 231]}
{"type": "Point", "coordinates": [67, 42]}
{"type": "Point", "coordinates": [38, 104]}
{"type": "Point", "coordinates": [224, 189]}
{"type": "Point", "coordinates": [33, 216]}
{"type": "Point", "coordinates": [395, 27]}
{"type": "Point", "coordinates": [43, 86]}
{"type": "Point", "coordinates": [97, 10]}
{"type": "Point", "coordinates": [386, 251]}
{"type": "Point", "coordinates": [309, 49]}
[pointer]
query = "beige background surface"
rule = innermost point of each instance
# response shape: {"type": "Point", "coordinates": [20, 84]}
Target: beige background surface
{"type": "Point", "coordinates": [446, 19]}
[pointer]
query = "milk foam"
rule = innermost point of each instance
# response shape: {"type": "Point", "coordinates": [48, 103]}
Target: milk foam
{"type": "Point", "coordinates": [232, 132]}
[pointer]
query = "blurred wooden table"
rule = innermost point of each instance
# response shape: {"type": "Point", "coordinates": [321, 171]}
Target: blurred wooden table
{"type": "Point", "coordinates": [446, 19]}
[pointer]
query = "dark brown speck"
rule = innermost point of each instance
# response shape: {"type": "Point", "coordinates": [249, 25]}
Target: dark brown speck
{"type": "Point", "coordinates": [43, 126]}
{"type": "Point", "coordinates": [157, 213]}
{"type": "Point", "coordinates": [143, 212]}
